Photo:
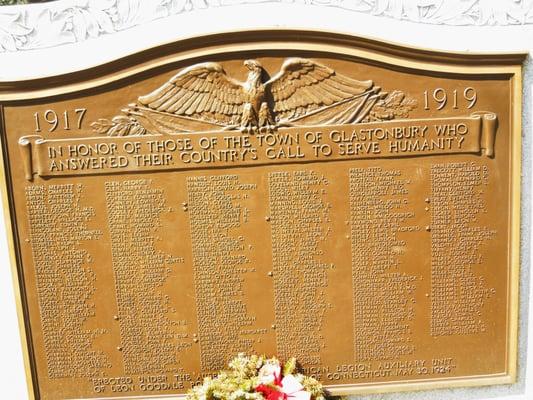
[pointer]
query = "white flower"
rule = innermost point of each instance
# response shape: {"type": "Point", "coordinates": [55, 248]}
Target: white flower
{"type": "Point", "coordinates": [269, 373]}
{"type": "Point", "coordinates": [293, 388]}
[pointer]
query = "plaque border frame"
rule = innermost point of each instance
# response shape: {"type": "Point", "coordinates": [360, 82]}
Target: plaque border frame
{"type": "Point", "coordinates": [351, 47]}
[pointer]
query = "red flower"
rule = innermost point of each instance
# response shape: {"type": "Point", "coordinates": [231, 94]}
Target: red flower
{"type": "Point", "coordinates": [270, 393]}
{"type": "Point", "coordinates": [277, 380]}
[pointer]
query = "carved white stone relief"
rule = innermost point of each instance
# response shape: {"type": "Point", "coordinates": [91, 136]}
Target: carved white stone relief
{"type": "Point", "coordinates": [69, 21]}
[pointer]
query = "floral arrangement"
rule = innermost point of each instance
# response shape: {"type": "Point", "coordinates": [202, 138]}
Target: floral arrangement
{"type": "Point", "coordinates": [258, 378]}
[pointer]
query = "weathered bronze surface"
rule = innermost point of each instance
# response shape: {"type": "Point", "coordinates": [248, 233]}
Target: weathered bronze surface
{"type": "Point", "coordinates": [349, 203]}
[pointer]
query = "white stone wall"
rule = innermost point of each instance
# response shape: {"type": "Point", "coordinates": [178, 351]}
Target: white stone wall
{"type": "Point", "coordinates": [76, 34]}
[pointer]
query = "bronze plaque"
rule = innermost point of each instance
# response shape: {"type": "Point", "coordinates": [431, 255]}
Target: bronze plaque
{"type": "Point", "coordinates": [347, 202]}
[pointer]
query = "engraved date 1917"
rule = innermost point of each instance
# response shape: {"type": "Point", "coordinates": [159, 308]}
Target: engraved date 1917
{"type": "Point", "coordinates": [51, 120]}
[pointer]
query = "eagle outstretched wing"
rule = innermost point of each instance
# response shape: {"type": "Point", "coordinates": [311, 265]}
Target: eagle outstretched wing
{"type": "Point", "coordinates": [303, 86]}
{"type": "Point", "coordinates": [202, 92]}
{"type": "Point", "coordinates": [303, 93]}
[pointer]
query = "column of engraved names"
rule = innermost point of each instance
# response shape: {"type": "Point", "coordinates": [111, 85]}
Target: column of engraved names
{"type": "Point", "coordinates": [216, 214]}
{"type": "Point", "coordinates": [59, 226]}
{"type": "Point", "coordinates": [148, 335]}
{"type": "Point", "coordinates": [299, 216]}
{"type": "Point", "coordinates": [383, 294]}
{"type": "Point", "coordinates": [458, 290]}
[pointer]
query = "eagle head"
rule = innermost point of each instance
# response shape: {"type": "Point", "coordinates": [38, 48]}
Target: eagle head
{"type": "Point", "coordinates": [253, 65]}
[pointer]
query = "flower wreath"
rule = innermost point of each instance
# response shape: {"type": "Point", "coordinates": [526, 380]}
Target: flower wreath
{"type": "Point", "coordinates": [258, 378]}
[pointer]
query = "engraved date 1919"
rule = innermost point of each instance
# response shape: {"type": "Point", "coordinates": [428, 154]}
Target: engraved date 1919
{"type": "Point", "coordinates": [51, 120]}
{"type": "Point", "coordinates": [440, 97]}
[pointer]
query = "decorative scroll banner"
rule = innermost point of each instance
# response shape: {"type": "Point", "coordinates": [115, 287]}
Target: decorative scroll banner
{"type": "Point", "coordinates": [179, 151]}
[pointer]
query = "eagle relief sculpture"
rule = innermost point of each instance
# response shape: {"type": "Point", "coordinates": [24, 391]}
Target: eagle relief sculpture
{"type": "Point", "coordinates": [303, 93]}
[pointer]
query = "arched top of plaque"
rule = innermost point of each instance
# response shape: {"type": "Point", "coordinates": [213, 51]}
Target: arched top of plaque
{"type": "Point", "coordinates": [249, 43]}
